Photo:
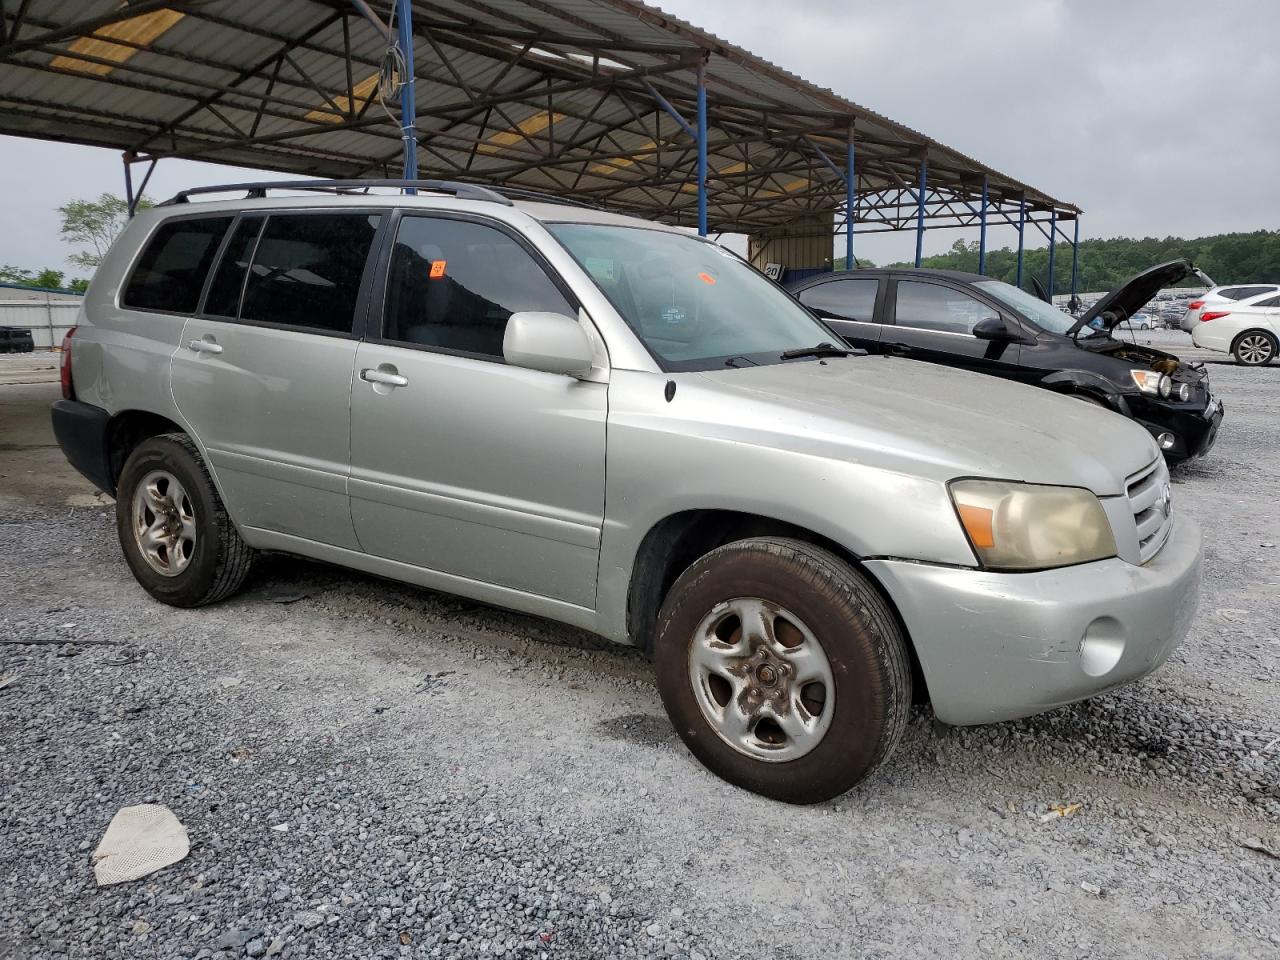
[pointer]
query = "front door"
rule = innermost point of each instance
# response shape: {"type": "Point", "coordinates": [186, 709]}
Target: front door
{"type": "Point", "coordinates": [263, 374]}
{"type": "Point", "coordinates": [934, 321]}
{"type": "Point", "coordinates": [460, 463]}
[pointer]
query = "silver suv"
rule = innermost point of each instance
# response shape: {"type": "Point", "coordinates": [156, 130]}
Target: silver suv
{"type": "Point", "coordinates": [624, 427]}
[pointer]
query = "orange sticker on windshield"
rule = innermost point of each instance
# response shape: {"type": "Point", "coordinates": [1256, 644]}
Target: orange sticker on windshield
{"type": "Point", "coordinates": [707, 279]}
{"type": "Point", "coordinates": [437, 269]}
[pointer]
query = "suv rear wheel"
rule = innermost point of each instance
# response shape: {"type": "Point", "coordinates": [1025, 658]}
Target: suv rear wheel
{"type": "Point", "coordinates": [782, 669]}
{"type": "Point", "coordinates": [173, 528]}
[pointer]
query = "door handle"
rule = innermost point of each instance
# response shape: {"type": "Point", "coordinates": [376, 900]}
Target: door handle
{"type": "Point", "coordinates": [204, 346]}
{"type": "Point", "coordinates": [388, 378]}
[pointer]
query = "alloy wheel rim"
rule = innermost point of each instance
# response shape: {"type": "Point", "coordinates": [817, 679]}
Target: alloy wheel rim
{"type": "Point", "coordinates": [761, 679]}
{"type": "Point", "coordinates": [164, 523]}
{"type": "Point", "coordinates": [1255, 349]}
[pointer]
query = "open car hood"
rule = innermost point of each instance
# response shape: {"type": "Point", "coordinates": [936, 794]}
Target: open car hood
{"type": "Point", "coordinates": [1134, 294]}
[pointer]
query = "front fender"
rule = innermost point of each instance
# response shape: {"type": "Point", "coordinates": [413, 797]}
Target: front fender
{"type": "Point", "coordinates": [1088, 382]}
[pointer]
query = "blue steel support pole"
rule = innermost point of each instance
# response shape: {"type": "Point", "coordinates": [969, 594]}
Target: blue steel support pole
{"type": "Point", "coordinates": [702, 148]}
{"type": "Point", "coordinates": [982, 231]}
{"type": "Point", "coordinates": [1075, 257]}
{"type": "Point", "coordinates": [1053, 246]}
{"type": "Point", "coordinates": [1022, 225]}
{"type": "Point", "coordinates": [408, 103]}
{"type": "Point", "coordinates": [850, 202]}
{"type": "Point", "coordinates": [924, 171]}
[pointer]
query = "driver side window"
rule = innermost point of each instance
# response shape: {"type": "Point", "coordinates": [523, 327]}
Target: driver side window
{"type": "Point", "coordinates": [453, 284]}
{"type": "Point", "coordinates": [930, 306]}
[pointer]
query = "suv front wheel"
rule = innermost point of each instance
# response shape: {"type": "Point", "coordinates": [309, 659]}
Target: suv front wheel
{"type": "Point", "coordinates": [782, 669]}
{"type": "Point", "coordinates": [173, 528]}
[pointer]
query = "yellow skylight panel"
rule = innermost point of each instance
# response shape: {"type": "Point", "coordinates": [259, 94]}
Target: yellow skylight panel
{"type": "Point", "coordinates": [362, 92]}
{"type": "Point", "coordinates": [522, 131]}
{"type": "Point", "coordinates": [141, 30]}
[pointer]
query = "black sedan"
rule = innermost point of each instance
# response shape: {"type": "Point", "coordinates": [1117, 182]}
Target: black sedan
{"type": "Point", "coordinates": [970, 321]}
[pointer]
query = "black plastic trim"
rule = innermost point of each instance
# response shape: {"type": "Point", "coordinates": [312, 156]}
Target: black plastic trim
{"type": "Point", "coordinates": [81, 432]}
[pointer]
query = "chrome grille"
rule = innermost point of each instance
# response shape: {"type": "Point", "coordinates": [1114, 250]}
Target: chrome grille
{"type": "Point", "coordinates": [1149, 498]}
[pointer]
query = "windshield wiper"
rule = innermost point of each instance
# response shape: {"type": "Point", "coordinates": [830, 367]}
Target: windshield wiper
{"type": "Point", "coordinates": [823, 349]}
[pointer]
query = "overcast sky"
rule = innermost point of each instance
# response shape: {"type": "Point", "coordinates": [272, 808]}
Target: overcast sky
{"type": "Point", "coordinates": [1157, 117]}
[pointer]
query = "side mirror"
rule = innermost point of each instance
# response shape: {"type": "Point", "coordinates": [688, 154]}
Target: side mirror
{"type": "Point", "coordinates": [550, 342]}
{"type": "Point", "coordinates": [992, 328]}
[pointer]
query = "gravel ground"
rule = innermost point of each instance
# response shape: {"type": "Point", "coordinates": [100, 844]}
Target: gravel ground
{"type": "Point", "coordinates": [371, 770]}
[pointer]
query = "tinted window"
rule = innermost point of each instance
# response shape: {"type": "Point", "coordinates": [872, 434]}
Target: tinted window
{"type": "Point", "coordinates": [1271, 302]}
{"type": "Point", "coordinates": [930, 306]}
{"type": "Point", "coordinates": [307, 268]}
{"type": "Point", "coordinates": [1244, 293]}
{"type": "Point", "coordinates": [843, 299]}
{"type": "Point", "coordinates": [228, 280]}
{"type": "Point", "coordinates": [171, 271]}
{"type": "Point", "coordinates": [453, 284]}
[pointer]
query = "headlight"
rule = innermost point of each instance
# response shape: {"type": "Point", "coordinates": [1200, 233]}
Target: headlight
{"type": "Point", "coordinates": [1148, 381]}
{"type": "Point", "coordinates": [1023, 526]}
{"type": "Point", "coordinates": [1184, 392]}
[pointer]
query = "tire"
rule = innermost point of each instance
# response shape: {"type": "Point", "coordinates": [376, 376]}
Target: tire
{"type": "Point", "coordinates": [1254, 348]}
{"type": "Point", "coordinates": [197, 557]}
{"type": "Point", "coordinates": [810, 596]}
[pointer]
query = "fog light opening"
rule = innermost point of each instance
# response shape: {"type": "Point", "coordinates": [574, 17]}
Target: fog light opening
{"type": "Point", "coordinates": [1102, 646]}
{"type": "Point", "coordinates": [1166, 441]}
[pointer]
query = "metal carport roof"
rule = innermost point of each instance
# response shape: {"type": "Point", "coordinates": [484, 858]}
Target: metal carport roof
{"type": "Point", "coordinates": [555, 95]}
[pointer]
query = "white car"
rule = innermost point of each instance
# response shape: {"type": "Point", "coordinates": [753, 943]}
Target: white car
{"type": "Point", "coordinates": [1215, 298]}
{"type": "Point", "coordinates": [1250, 331]}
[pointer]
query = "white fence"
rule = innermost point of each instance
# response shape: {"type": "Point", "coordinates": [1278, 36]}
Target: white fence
{"type": "Point", "coordinates": [47, 319]}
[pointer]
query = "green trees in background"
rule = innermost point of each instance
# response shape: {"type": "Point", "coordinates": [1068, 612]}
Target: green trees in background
{"type": "Point", "coordinates": [96, 223]}
{"type": "Point", "coordinates": [1227, 258]}
{"type": "Point", "coordinates": [47, 278]}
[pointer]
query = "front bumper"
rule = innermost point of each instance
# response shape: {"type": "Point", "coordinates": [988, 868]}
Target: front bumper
{"type": "Point", "coordinates": [1194, 430]}
{"type": "Point", "coordinates": [995, 646]}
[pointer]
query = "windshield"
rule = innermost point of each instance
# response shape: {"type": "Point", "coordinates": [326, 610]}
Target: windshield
{"type": "Point", "coordinates": [695, 305]}
{"type": "Point", "coordinates": [1043, 315]}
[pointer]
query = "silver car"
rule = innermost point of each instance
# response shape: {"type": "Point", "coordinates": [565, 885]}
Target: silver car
{"type": "Point", "coordinates": [623, 427]}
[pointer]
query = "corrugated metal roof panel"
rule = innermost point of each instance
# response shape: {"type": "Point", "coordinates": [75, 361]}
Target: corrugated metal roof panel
{"type": "Point", "coordinates": [287, 85]}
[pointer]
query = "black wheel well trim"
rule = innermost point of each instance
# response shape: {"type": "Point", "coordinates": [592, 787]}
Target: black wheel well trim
{"type": "Point", "coordinates": [677, 541]}
{"type": "Point", "coordinates": [129, 428]}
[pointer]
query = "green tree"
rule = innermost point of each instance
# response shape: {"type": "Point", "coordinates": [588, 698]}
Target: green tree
{"type": "Point", "coordinates": [96, 223]}
{"type": "Point", "coordinates": [1104, 264]}
{"type": "Point", "coordinates": [47, 278]}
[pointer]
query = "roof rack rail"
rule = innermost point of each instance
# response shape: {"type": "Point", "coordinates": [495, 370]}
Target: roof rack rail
{"type": "Point", "coordinates": [463, 191]}
{"type": "Point", "coordinates": [524, 193]}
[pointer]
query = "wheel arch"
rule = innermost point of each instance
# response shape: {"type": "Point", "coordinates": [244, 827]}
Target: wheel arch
{"type": "Point", "coordinates": [129, 428]}
{"type": "Point", "coordinates": [677, 541]}
{"type": "Point", "coordinates": [1235, 340]}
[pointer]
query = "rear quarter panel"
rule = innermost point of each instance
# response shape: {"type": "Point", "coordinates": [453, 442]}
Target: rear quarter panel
{"type": "Point", "coordinates": [120, 358]}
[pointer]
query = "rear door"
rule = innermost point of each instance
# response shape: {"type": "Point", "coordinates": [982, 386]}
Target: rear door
{"type": "Point", "coordinates": [848, 305]}
{"type": "Point", "coordinates": [933, 320]}
{"type": "Point", "coordinates": [462, 464]}
{"type": "Point", "coordinates": [263, 374]}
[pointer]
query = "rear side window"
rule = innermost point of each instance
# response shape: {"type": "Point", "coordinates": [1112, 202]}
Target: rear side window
{"type": "Point", "coordinates": [228, 281]}
{"type": "Point", "coordinates": [1244, 293]}
{"type": "Point", "coordinates": [453, 284]}
{"type": "Point", "coordinates": [853, 299]}
{"type": "Point", "coordinates": [171, 271]}
{"type": "Point", "coordinates": [306, 270]}
{"type": "Point", "coordinates": [1271, 302]}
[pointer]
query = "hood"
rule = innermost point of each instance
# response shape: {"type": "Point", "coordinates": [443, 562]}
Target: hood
{"type": "Point", "coordinates": [1134, 294]}
{"type": "Point", "coordinates": [925, 420]}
